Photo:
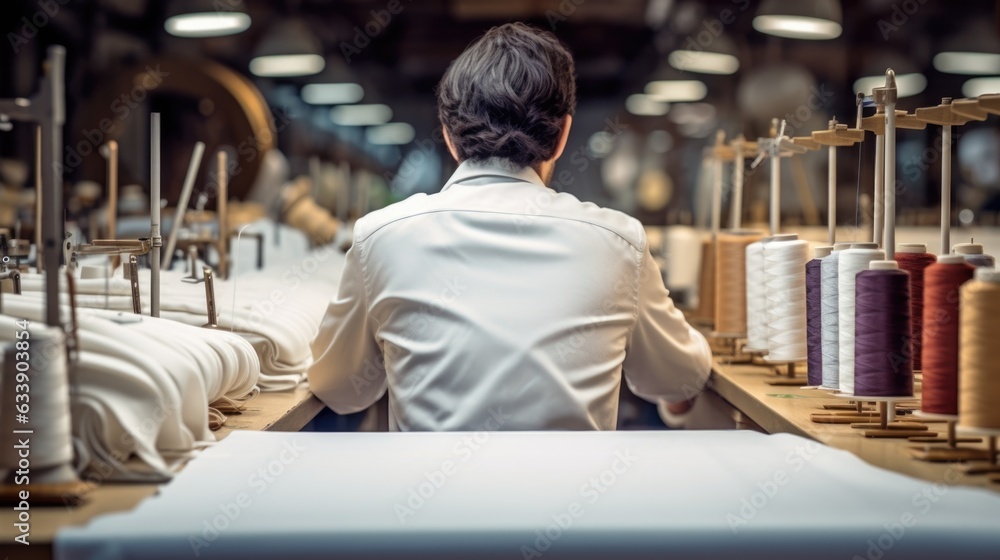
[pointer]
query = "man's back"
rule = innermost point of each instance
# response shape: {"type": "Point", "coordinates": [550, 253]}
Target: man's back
{"type": "Point", "coordinates": [500, 304]}
{"type": "Point", "coordinates": [497, 303]}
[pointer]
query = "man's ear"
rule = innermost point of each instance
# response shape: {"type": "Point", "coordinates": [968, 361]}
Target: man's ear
{"type": "Point", "coordinates": [447, 142]}
{"type": "Point", "coordinates": [563, 137]}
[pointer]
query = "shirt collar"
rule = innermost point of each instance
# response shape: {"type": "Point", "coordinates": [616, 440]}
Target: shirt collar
{"type": "Point", "coordinates": [490, 172]}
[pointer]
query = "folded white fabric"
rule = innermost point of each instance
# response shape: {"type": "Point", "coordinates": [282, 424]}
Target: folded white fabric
{"type": "Point", "coordinates": [277, 310]}
{"type": "Point", "coordinates": [143, 385]}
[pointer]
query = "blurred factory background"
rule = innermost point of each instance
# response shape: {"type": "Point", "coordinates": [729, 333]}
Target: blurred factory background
{"type": "Point", "coordinates": [345, 90]}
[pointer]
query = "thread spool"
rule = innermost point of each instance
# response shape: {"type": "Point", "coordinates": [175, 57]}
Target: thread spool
{"type": "Point", "coordinates": [914, 258]}
{"type": "Point", "coordinates": [883, 356]}
{"type": "Point", "coordinates": [942, 282]}
{"type": "Point", "coordinates": [973, 253]}
{"type": "Point", "coordinates": [730, 282]}
{"type": "Point", "coordinates": [829, 291]}
{"type": "Point", "coordinates": [48, 425]}
{"type": "Point", "coordinates": [814, 316]}
{"type": "Point", "coordinates": [785, 258]}
{"type": "Point", "coordinates": [979, 370]}
{"type": "Point", "coordinates": [756, 306]}
{"type": "Point", "coordinates": [706, 283]}
{"type": "Point", "coordinates": [851, 262]}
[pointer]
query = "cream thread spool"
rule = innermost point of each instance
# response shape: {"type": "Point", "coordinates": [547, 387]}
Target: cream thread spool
{"type": "Point", "coordinates": [47, 423]}
{"type": "Point", "coordinates": [979, 369]}
{"type": "Point", "coordinates": [851, 262]}
{"type": "Point", "coordinates": [730, 282]}
{"type": "Point", "coordinates": [785, 258]}
{"type": "Point", "coordinates": [756, 306]}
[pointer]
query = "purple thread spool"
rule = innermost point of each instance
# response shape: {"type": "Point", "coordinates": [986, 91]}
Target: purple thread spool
{"type": "Point", "coordinates": [814, 317]}
{"type": "Point", "coordinates": [883, 348]}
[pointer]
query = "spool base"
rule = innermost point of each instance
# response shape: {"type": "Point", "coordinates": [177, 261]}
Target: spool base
{"type": "Point", "coordinates": [888, 426]}
{"type": "Point", "coordinates": [787, 379]}
{"type": "Point", "coordinates": [932, 454]}
{"type": "Point", "coordinates": [727, 347]}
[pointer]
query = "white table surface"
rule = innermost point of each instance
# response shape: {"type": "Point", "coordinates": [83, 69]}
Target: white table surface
{"type": "Point", "coordinates": [541, 495]}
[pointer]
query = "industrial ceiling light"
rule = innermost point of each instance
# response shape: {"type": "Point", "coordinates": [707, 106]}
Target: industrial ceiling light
{"type": "Point", "coordinates": [717, 57]}
{"type": "Point", "coordinates": [289, 49]}
{"type": "Point", "coordinates": [800, 19]}
{"type": "Point", "coordinates": [676, 91]}
{"type": "Point", "coordinates": [390, 134]}
{"type": "Point", "coordinates": [332, 94]}
{"type": "Point", "coordinates": [200, 18]}
{"type": "Point", "coordinates": [981, 86]}
{"type": "Point", "coordinates": [645, 106]}
{"type": "Point", "coordinates": [973, 51]}
{"type": "Point", "coordinates": [371, 114]}
{"type": "Point", "coordinates": [907, 85]}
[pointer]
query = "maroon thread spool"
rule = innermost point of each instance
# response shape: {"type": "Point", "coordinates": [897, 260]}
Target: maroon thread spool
{"type": "Point", "coordinates": [914, 258]}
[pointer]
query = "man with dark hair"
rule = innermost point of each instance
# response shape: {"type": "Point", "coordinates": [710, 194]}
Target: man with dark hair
{"type": "Point", "coordinates": [499, 304]}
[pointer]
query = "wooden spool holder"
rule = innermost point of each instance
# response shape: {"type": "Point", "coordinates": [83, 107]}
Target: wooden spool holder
{"type": "Point", "coordinates": [839, 136]}
{"type": "Point", "coordinates": [789, 377]}
{"type": "Point", "coordinates": [951, 451]}
{"type": "Point", "coordinates": [847, 413]}
{"type": "Point", "coordinates": [728, 347]}
{"type": "Point", "coordinates": [887, 425]}
{"type": "Point", "coordinates": [988, 464]}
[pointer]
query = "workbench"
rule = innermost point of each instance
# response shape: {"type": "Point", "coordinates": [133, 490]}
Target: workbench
{"type": "Point", "coordinates": [776, 409]}
{"type": "Point", "coordinates": [285, 411]}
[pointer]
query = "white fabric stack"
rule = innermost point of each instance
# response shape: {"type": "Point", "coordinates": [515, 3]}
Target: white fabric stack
{"type": "Point", "coordinates": [278, 309]}
{"type": "Point", "coordinates": [142, 387]}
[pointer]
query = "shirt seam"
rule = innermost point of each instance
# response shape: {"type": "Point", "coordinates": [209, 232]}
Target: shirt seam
{"type": "Point", "coordinates": [588, 222]}
{"type": "Point", "coordinates": [635, 288]}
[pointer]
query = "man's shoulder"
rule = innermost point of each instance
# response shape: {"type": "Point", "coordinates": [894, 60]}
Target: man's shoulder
{"type": "Point", "coordinates": [547, 205]}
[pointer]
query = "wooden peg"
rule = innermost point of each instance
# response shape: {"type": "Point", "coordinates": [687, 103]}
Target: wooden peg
{"type": "Point", "coordinates": [990, 103]}
{"type": "Point", "coordinates": [969, 108]}
{"type": "Point", "coordinates": [839, 136]}
{"type": "Point", "coordinates": [876, 122]}
{"type": "Point", "coordinates": [806, 142]}
{"type": "Point", "coordinates": [942, 114]}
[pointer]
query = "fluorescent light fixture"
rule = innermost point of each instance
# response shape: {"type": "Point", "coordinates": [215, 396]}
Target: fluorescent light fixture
{"type": "Point", "coordinates": [371, 114]}
{"type": "Point", "coordinates": [207, 24]}
{"type": "Point", "coordinates": [390, 134]}
{"type": "Point", "coordinates": [677, 90]}
{"type": "Point", "coordinates": [332, 94]}
{"type": "Point", "coordinates": [981, 86]}
{"type": "Point", "coordinates": [704, 62]}
{"type": "Point", "coordinates": [645, 106]}
{"type": "Point", "coordinates": [952, 62]}
{"type": "Point", "coordinates": [285, 65]}
{"type": "Point", "coordinates": [906, 84]}
{"type": "Point", "coordinates": [797, 27]}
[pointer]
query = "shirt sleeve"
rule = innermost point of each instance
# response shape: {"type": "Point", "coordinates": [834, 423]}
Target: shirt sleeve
{"type": "Point", "coordinates": [666, 358]}
{"type": "Point", "coordinates": [348, 371]}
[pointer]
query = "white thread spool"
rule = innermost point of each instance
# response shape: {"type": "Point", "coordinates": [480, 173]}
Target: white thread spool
{"type": "Point", "coordinates": [973, 253]}
{"type": "Point", "coordinates": [851, 262]}
{"type": "Point", "coordinates": [48, 427]}
{"type": "Point", "coordinates": [785, 258]}
{"type": "Point", "coordinates": [756, 321]}
{"type": "Point", "coordinates": [830, 312]}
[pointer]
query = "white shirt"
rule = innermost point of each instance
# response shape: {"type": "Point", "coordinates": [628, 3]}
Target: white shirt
{"type": "Point", "coordinates": [501, 304]}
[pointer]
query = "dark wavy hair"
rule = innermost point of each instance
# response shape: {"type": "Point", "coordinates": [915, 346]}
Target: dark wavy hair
{"type": "Point", "coordinates": [505, 97]}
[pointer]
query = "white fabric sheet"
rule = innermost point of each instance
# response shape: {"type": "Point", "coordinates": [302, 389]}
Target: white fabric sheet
{"type": "Point", "coordinates": [621, 495]}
